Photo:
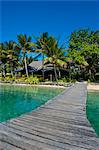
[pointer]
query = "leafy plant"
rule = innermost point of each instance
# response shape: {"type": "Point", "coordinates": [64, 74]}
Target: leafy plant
{"type": "Point", "coordinates": [20, 80]}
{"type": "Point", "coordinates": [84, 51]}
{"type": "Point", "coordinates": [32, 80]}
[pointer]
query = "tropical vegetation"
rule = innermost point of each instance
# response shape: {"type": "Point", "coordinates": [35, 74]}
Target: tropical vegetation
{"type": "Point", "coordinates": [80, 61]}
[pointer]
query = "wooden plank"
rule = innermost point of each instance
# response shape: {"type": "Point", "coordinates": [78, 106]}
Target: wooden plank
{"type": "Point", "coordinates": [52, 134]}
{"type": "Point", "coordinates": [7, 146]}
{"type": "Point", "coordinates": [60, 124]}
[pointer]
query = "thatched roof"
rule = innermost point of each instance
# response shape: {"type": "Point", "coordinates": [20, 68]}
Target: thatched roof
{"type": "Point", "coordinates": [36, 64]}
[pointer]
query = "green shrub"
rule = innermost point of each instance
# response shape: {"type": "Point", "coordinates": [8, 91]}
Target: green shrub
{"type": "Point", "coordinates": [24, 76]}
{"type": "Point", "coordinates": [68, 80]}
{"type": "Point", "coordinates": [40, 78]}
{"type": "Point", "coordinates": [1, 78]}
{"type": "Point", "coordinates": [8, 74]}
{"type": "Point", "coordinates": [20, 80]}
{"type": "Point", "coordinates": [62, 80]}
{"type": "Point", "coordinates": [32, 80]}
{"type": "Point", "coordinates": [0, 74]}
{"type": "Point", "coordinates": [73, 80]}
{"type": "Point", "coordinates": [89, 81]}
{"type": "Point", "coordinates": [8, 78]}
{"type": "Point", "coordinates": [13, 78]}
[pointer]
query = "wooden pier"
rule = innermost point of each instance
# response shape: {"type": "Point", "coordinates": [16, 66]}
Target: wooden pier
{"type": "Point", "coordinates": [60, 124]}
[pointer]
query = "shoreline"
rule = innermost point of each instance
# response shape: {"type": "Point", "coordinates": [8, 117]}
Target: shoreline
{"type": "Point", "coordinates": [90, 86]}
{"type": "Point", "coordinates": [93, 87]}
{"type": "Point", "coordinates": [35, 85]}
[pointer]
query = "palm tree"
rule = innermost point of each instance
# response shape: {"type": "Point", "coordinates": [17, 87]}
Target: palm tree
{"type": "Point", "coordinates": [12, 55]}
{"type": "Point", "coordinates": [25, 45]}
{"type": "Point", "coordinates": [55, 55]}
{"type": "Point", "coordinates": [41, 47]}
{"type": "Point", "coordinates": [3, 58]}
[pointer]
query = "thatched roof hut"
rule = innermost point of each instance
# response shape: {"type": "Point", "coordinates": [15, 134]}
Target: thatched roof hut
{"type": "Point", "coordinates": [36, 65]}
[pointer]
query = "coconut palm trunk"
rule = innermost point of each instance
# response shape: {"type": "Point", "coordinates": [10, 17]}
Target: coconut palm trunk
{"type": "Point", "coordinates": [59, 73]}
{"type": "Point", "coordinates": [4, 70]}
{"type": "Point", "coordinates": [11, 67]}
{"type": "Point", "coordinates": [24, 47]}
{"type": "Point", "coordinates": [26, 69]}
{"type": "Point", "coordinates": [56, 78]}
{"type": "Point", "coordinates": [43, 67]}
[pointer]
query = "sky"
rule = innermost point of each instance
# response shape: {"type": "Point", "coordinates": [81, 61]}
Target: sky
{"type": "Point", "coordinates": [59, 18]}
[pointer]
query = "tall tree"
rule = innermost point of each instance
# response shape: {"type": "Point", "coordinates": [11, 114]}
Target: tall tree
{"type": "Point", "coordinates": [42, 46]}
{"type": "Point", "coordinates": [55, 55]}
{"type": "Point", "coordinates": [25, 46]}
{"type": "Point", "coordinates": [3, 58]}
{"type": "Point", "coordinates": [84, 50]}
{"type": "Point", "coordinates": [12, 55]}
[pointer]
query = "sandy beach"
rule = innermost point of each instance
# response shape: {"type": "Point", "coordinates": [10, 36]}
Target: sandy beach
{"type": "Point", "coordinates": [38, 85]}
{"type": "Point", "coordinates": [93, 86]}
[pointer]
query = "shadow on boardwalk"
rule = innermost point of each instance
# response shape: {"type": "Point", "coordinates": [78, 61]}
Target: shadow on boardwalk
{"type": "Point", "coordinates": [60, 124]}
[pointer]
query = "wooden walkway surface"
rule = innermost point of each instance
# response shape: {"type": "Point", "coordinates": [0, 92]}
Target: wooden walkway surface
{"type": "Point", "coordinates": [60, 124]}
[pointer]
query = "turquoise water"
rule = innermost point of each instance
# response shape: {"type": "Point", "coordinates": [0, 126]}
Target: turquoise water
{"type": "Point", "coordinates": [93, 110]}
{"type": "Point", "coordinates": [17, 100]}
